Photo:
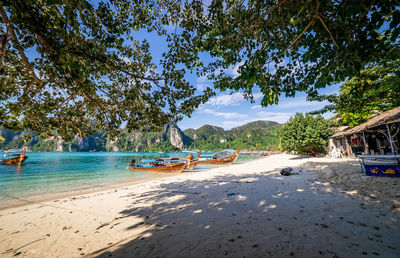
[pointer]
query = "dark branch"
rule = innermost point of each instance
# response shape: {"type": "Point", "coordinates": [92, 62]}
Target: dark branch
{"type": "Point", "coordinates": [21, 52]}
{"type": "Point", "coordinates": [327, 29]}
{"type": "Point", "coordinates": [3, 46]}
{"type": "Point", "coordinates": [298, 37]}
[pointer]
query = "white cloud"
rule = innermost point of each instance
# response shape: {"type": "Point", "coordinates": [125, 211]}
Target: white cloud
{"type": "Point", "coordinates": [256, 107]}
{"type": "Point", "coordinates": [234, 71]}
{"type": "Point", "coordinates": [224, 114]}
{"type": "Point", "coordinates": [268, 113]}
{"type": "Point", "coordinates": [202, 83]}
{"type": "Point", "coordinates": [227, 100]}
{"type": "Point", "coordinates": [279, 117]}
{"type": "Point", "coordinates": [125, 59]}
{"type": "Point", "coordinates": [302, 103]}
{"type": "Point", "coordinates": [231, 124]}
{"type": "Point", "coordinates": [231, 99]}
{"type": "Point", "coordinates": [258, 95]}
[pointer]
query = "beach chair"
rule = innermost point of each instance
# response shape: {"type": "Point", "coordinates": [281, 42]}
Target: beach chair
{"type": "Point", "coordinates": [335, 153]}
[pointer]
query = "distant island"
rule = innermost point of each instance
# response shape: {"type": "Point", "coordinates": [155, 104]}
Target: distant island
{"type": "Point", "coordinates": [257, 135]}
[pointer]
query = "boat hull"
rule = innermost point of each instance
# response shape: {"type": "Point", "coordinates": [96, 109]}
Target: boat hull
{"type": "Point", "coordinates": [224, 160]}
{"type": "Point", "coordinates": [168, 168]}
{"type": "Point", "coordinates": [15, 160]}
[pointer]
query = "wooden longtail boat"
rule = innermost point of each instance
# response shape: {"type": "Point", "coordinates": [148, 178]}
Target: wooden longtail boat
{"type": "Point", "coordinates": [223, 160]}
{"type": "Point", "coordinates": [159, 165]}
{"type": "Point", "coordinates": [192, 163]}
{"type": "Point", "coordinates": [14, 157]}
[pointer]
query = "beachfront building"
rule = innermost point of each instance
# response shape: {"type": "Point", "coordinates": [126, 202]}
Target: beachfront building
{"type": "Point", "coordinates": [379, 135]}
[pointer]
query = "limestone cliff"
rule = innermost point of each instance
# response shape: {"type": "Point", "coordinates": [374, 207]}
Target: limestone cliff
{"type": "Point", "coordinates": [83, 144]}
{"type": "Point", "coordinates": [60, 142]}
{"type": "Point", "coordinates": [175, 136]}
{"type": "Point", "coordinates": [111, 144]}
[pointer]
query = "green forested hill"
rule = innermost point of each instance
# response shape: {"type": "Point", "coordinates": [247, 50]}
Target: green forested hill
{"type": "Point", "coordinates": [205, 132]}
{"type": "Point", "coordinates": [258, 135]}
{"type": "Point", "coordinates": [256, 125]}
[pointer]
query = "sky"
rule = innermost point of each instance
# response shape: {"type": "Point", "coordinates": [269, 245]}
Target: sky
{"type": "Point", "coordinates": [228, 110]}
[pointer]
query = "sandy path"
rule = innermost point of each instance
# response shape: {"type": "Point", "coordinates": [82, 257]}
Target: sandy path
{"type": "Point", "coordinates": [243, 210]}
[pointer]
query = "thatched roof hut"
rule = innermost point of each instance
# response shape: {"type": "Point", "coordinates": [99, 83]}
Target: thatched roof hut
{"type": "Point", "coordinates": [380, 134]}
{"type": "Point", "coordinates": [387, 117]}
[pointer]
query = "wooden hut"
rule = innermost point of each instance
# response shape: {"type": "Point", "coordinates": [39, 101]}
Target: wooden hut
{"type": "Point", "coordinates": [377, 136]}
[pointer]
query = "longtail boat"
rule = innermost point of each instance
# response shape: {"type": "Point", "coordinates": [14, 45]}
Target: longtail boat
{"type": "Point", "coordinates": [192, 163]}
{"type": "Point", "coordinates": [159, 165]}
{"type": "Point", "coordinates": [14, 157]}
{"type": "Point", "coordinates": [222, 160]}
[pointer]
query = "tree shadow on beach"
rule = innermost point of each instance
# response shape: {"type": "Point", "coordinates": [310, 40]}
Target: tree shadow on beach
{"type": "Point", "coordinates": [348, 176]}
{"type": "Point", "coordinates": [301, 156]}
{"type": "Point", "coordinates": [253, 215]}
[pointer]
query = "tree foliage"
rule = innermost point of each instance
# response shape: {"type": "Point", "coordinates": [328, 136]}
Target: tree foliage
{"type": "Point", "coordinates": [377, 88]}
{"type": "Point", "coordinates": [285, 46]}
{"type": "Point", "coordinates": [305, 133]}
{"type": "Point", "coordinates": [73, 67]}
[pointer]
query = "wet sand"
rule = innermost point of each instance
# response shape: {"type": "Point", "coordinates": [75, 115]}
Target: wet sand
{"type": "Point", "coordinates": [324, 210]}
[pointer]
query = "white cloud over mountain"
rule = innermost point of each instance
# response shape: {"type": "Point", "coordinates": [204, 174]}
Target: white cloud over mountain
{"type": "Point", "coordinates": [226, 115]}
{"type": "Point", "coordinates": [302, 103]}
{"type": "Point", "coordinates": [231, 99]}
{"type": "Point", "coordinates": [279, 117]}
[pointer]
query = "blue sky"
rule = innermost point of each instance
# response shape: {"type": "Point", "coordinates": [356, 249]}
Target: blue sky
{"type": "Point", "coordinates": [230, 110]}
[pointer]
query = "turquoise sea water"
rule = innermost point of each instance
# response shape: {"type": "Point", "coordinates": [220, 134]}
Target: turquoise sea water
{"type": "Point", "coordinates": [59, 172]}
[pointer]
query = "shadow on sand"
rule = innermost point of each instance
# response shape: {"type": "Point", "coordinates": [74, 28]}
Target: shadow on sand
{"type": "Point", "coordinates": [301, 156]}
{"type": "Point", "coordinates": [254, 215]}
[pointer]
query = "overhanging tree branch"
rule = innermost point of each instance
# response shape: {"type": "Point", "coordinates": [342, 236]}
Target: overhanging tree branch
{"type": "Point", "coordinates": [327, 29]}
{"type": "Point", "coordinates": [3, 46]}
{"type": "Point", "coordinates": [21, 52]}
{"type": "Point", "coordinates": [298, 37]}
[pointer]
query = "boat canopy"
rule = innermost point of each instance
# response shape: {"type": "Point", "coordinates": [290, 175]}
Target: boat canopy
{"type": "Point", "coordinates": [225, 152]}
{"type": "Point", "coordinates": [148, 160]}
{"type": "Point", "coordinates": [13, 150]}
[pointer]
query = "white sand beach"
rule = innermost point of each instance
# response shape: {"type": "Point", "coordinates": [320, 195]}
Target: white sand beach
{"type": "Point", "coordinates": [244, 210]}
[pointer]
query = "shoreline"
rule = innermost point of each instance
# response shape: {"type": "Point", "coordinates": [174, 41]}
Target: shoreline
{"type": "Point", "coordinates": [241, 210]}
{"type": "Point", "coordinates": [47, 197]}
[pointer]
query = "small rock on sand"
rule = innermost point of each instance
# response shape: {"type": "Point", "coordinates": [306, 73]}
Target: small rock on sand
{"type": "Point", "coordinates": [286, 171]}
